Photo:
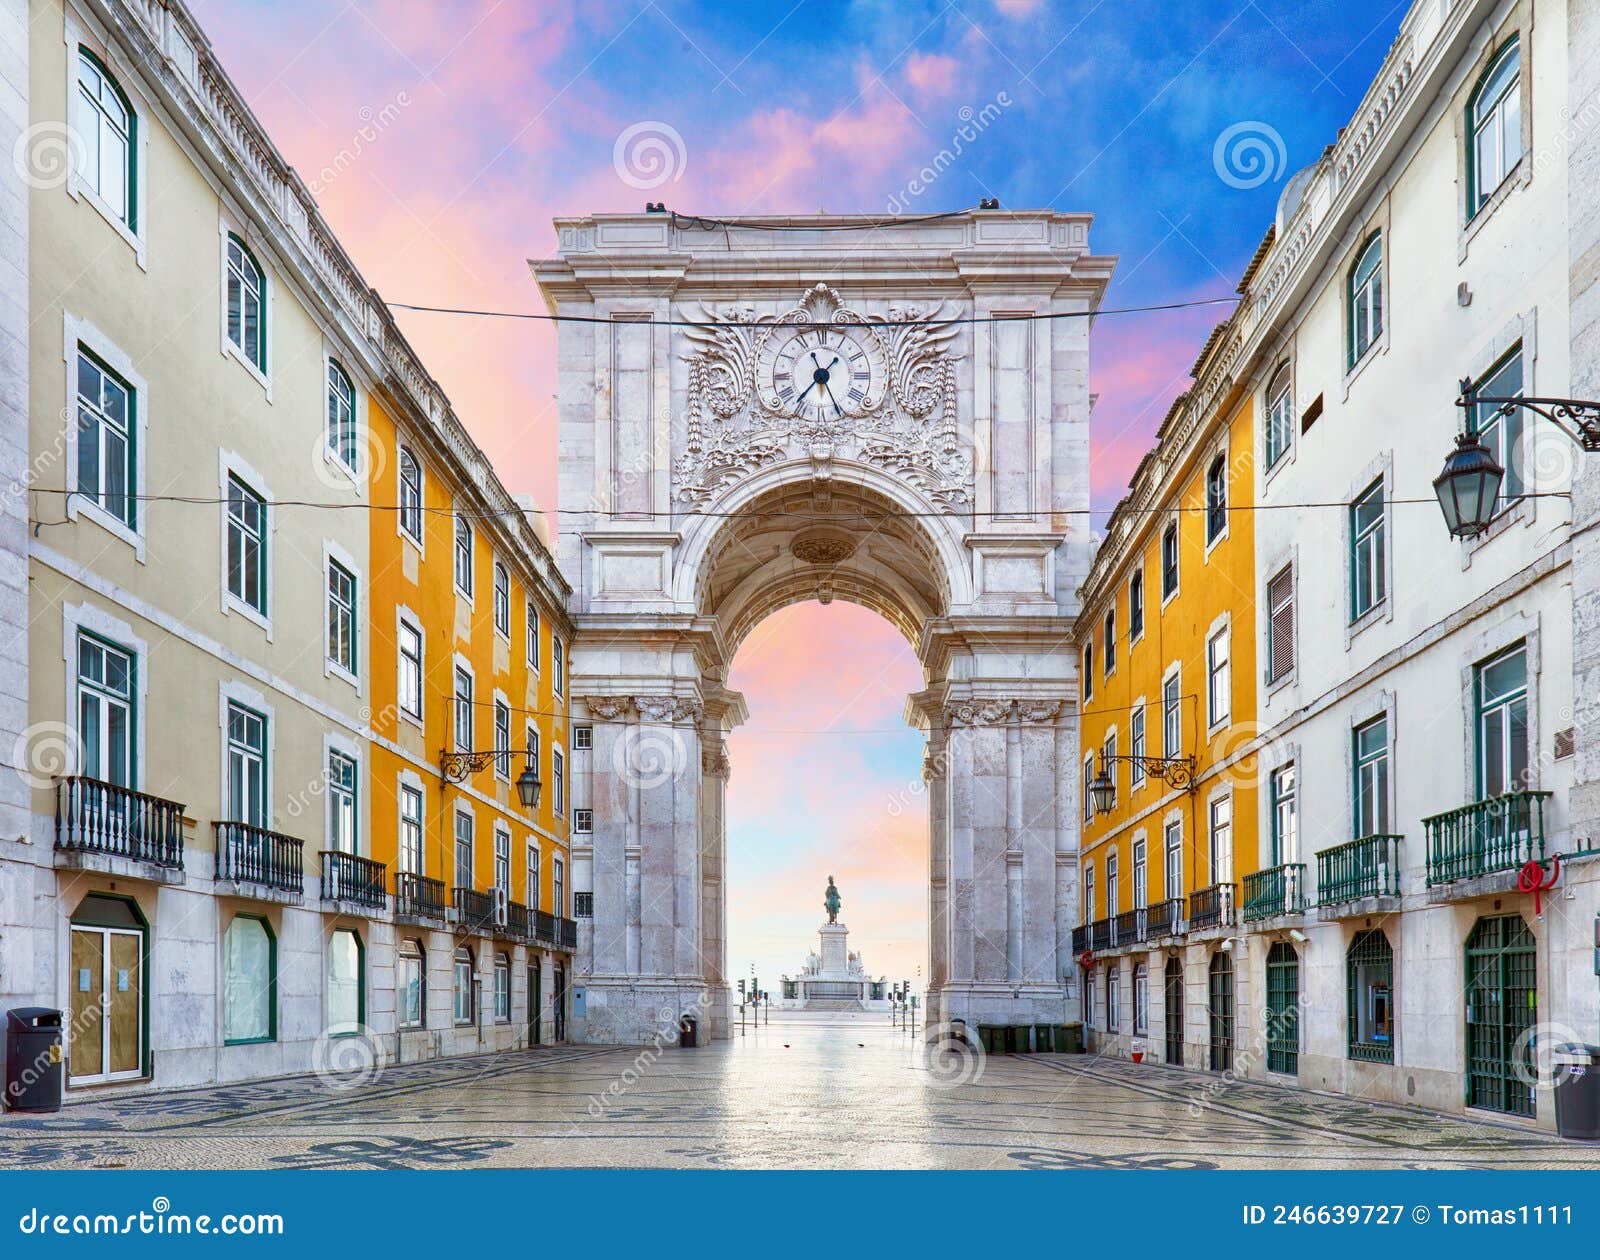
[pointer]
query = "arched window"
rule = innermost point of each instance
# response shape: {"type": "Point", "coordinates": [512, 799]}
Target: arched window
{"type": "Point", "coordinates": [463, 556]}
{"type": "Point", "coordinates": [347, 1000]}
{"type": "Point", "coordinates": [341, 415]}
{"type": "Point", "coordinates": [1283, 1009]}
{"type": "Point", "coordinates": [410, 494]}
{"type": "Point", "coordinates": [502, 599]}
{"type": "Point", "coordinates": [464, 973]}
{"type": "Point", "coordinates": [247, 304]}
{"type": "Point", "coordinates": [106, 126]}
{"type": "Point", "coordinates": [1366, 299]}
{"type": "Point", "coordinates": [1280, 416]}
{"type": "Point", "coordinates": [502, 988]}
{"type": "Point", "coordinates": [250, 981]}
{"type": "Point", "coordinates": [1494, 126]}
{"type": "Point", "coordinates": [413, 985]}
{"type": "Point", "coordinates": [1370, 997]}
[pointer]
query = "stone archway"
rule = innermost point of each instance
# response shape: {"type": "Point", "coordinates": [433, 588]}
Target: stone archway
{"type": "Point", "coordinates": [942, 480]}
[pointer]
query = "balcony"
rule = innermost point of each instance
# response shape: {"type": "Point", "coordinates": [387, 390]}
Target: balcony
{"type": "Point", "coordinates": [1100, 935]}
{"type": "Point", "coordinates": [517, 924]}
{"type": "Point", "coordinates": [1356, 871]}
{"type": "Point", "coordinates": [356, 881]}
{"type": "Point", "coordinates": [102, 826]}
{"type": "Point", "coordinates": [568, 936]}
{"type": "Point", "coordinates": [1502, 833]}
{"type": "Point", "coordinates": [418, 899]}
{"type": "Point", "coordinates": [544, 927]}
{"type": "Point", "coordinates": [1080, 939]}
{"type": "Point", "coordinates": [474, 910]}
{"type": "Point", "coordinates": [1165, 918]}
{"type": "Point", "coordinates": [262, 858]}
{"type": "Point", "coordinates": [1275, 891]}
{"type": "Point", "coordinates": [1211, 907]}
{"type": "Point", "coordinates": [1127, 928]}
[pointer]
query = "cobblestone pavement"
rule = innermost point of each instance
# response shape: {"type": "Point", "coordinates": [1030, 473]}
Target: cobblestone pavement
{"type": "Point", "coordinates": [803, 1092]}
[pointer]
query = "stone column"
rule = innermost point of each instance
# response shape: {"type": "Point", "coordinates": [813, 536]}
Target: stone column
{"type": "Point", "coordinates": [713, 949]}
{"type": "Point", "coordinates": [933, 774]}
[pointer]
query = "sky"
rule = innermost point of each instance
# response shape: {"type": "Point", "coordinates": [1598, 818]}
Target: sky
{"type": "Point", "coordinates": [440, 140]}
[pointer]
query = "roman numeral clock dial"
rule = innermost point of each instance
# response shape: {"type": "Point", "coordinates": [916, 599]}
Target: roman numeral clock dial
{"type": "Point", "coordinates": [823, 375]}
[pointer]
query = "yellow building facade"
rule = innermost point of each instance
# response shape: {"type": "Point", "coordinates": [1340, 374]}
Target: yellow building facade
{"type": "Point", "coordinates": [1167, 648]}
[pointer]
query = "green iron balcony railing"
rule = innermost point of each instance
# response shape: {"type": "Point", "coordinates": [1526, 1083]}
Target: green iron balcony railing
{"type": "Point", "coordinates": [1498, 834]}
{"type": "Point", "coordinates": [1128, 928]}
{"type": "Point", "coordinates": [1274, 891]}
{"type": "Point", "coordinates": [418, 897]}
{"type": "Point", "coordinates": [474, 910]}
{"type": "Point", "coordinates": [253, 855]}
{"type": "Point", "coordinates": [93, 816]}
{"type": "Point", "coordinates": [1368, 867]}
{"type": "Point", "coordinates": [1164, 918]}
{"type": "Point", "coordinates": [1080, 939]}
{"type": "Point", "coordinates": [1100, 934]}
{"type": "Point", "coordinates": [346, 877]}
{"type": "Point", "coordinates": [1211, 907]}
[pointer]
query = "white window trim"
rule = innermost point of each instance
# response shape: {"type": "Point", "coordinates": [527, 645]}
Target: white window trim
{"type": "Point", "coordinates": [460, 662]}
{"type": "Point", "coordinates": [1219, 449]}
{"type": "Point", "coordinates": [502, 831]}
{"type": "Point", "coordinates": [422, 497]}
{"type": "Point", "coordinates": [562, 806]}
{"type": "Point", "coordinates": [496, 567]}
{"type": "Point", "coordinates": [80, 617]}
{"type": "Point", "coordinates": [333, 742]}
{"type": "Point", "coordinates": [1139, 705]}
{"type": "Point", "coordinates": [343, 473]}
{"type": "Point", "coordinates": [230, 691]}
{"type": "Point", "coordinates": [1380, 469]}
{"type": "Point", "coordinates": [227, 226]}
{"type": "Point", "coordinates": [1289, 559]}
{"type": "Point", "coordinates": [1109, 671]}
{"type": "Point", "coordinates": [1174, 670]}
{"type": "Point", "coordinates": [1222, 625]}
{"type": "Point", "coordinates": [231, 465]}
{"type": "Point", "coordinates": [1487, 47]}
{"type": "Point", "coordinates": [403, 616]}
{"type": "Point", "coordinates": [456, 511]}
{"type": "Point", "coordinates": [1369, 711]}
{"type": "Point", "coordinates": [1488, 641]}
{"type": "Point", "coordinates": [1144, 618]}
{"type": "Point", "coordinates": [1378, 228]}
{"type": "Point", "coordinates": [1286, 367]}
{"type": "Point", "coordinates": [1174, 815]}
{"type": "Point", "coordinates": [1520, 330]}
{"type": "Point", "coordinates": [332, 553]}
{"type": "Point", "coordinates": [76, 332]}
{"type": "Point", "coordinates": [500, 698]}
{"type": "Point", "coordinates": [73, 35]}
{"type": "Point", "coordinates": [462, 809]}
{"type": "Point", "coordinates": [531, 642]}
{"type": "Point", "coordinates": [1223, 792]}
{"type": "Point", "coordinates": [1174, 519]}
{"type": "Point", "coordinates": [558, 667]}
{"type": "Point", "coordinates": [409, 778]}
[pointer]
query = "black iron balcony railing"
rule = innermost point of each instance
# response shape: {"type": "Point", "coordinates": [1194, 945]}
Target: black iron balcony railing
{"type": "Point", "coordinates": [418, 897]}
{"type": "Point", "coordinates": [1498, 834]}
{"type": "Point", "coordinates": [346, 877]}
{"type": "Point", "coordinates": [517, 922]}
{"type": "Point", "coordinates": [1127, 928]}
{"type": "Point", "coordinates": [1211, 907]}
{"type": "Point", "coordinates": [254, 855]}
{"type": "Point", "coordinates": [1165, 918]}
{"type": "Point", "coordinates": [1100, 934]}
{"type": "Point", "coordinates": [583, 905]}
{"type": "Point", "coordinates": [568, 937]}
{"type": "Point", "coordinates": [93, 816]}
{"type": "Point", "coordinates": [1274, 891]}
{"type": "Point", "coordinates": [544, 926]}
{"type": "Point", "coordinates": [474, 910]}
{"type": "Point", "coordinates": [1368, 867]}
{"type": "Point", "coordinates": [1080, 939]}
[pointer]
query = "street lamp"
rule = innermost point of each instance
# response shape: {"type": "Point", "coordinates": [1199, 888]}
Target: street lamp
{"type": "Point", "coordinates": [1102, 791]}
{"type": "Point", "coordinates": [528, 786]}
{"type": "Point", "coordinates": [1175, 772]}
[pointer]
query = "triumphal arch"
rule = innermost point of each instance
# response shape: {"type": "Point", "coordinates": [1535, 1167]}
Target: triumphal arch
{"type": "Point", "coordinates": [756, 412]}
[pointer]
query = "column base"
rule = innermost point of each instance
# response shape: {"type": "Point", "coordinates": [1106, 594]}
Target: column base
{"type": "Point", "coordinates": [636, 1011]}
{"type": "Point", "coordinates": [1003, 1004]}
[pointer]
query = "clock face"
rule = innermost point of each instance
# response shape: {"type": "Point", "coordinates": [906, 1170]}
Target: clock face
{"type": "Point", "coordinates": [825, 373]}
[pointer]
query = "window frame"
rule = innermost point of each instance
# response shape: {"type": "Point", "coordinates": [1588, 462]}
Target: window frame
{"type": "Point", "coordinates": [246, 754]}
{"type": "Point", "coordinates": [1216, 492]}
{"type": "Point", "coordinates": [1369, 948]}
{"type": "Point", "coordinates": [409, 496]}
{"type": "Point", "coordinates": [1382, 779]}
{"type": "Point", "coordinates": [1088, 668]}
{"type": "Point", "coordinates": [533, 636]}
{"type": "Point", "coordinates": [1219, 838]}
{"type": "Point", "coordinates": [78, 336]}
{"type": "Point", "coordinates": [1277, 669]}
{"type": "Point", "coordinates": [463, 988]}
{"type": "Point", "coordinates": [558, 781]}
{"type": "Point", "coordinates": [463, 551]}
{"type": "Point", "coordinates": [1365, 297]}
{"type": "Point", "coordinates": [558, 666]}
{"type": "Point", "coordinates": [1504, 435]}
{"type": "Point", "coordinates": [1172, 570]}
{"type": "Point", "coordinates": [501, 737]}
{"type": "Point", "coordinates": [1278, 417]}
{"type": "Point", "coordinates": [128, 430]}
{"type": "Point", "coordinates": [129, 225]}
{"type": "Point", "coordinates": [410, 669]}
{"type": "Point", "coordinates": [411, 950]}
{"type": "Point", "coordinates": [341, 430]}
{"type": "Point", "coordinates": [1219, 678]}
{"type": "Point", "coordinates": [500, 606]}
{"type": "Point", "coordinates": [1479, 196]}
{"type": "Point", "coordinates": [256, 607]}
{"type": "Point", "coordinates": [1374, 539]}
{"type": "Point", "coordinates": [502, 988]}
{"type": "Point", "coordinates": [338, 792]}
{"type": "Point", "coordinates": [265, 924]}
{"type": "Point", "coordinates": [348, 607]}
{"type": "Point", "coordinates": [410, 832]}
{"type": "Point", "coordinates": [1172, 714]}
{"type": "Point", "coordinates": [1137, 743]}
{"type": "Point", "coordinates": [1503, 705]}
{"type": "Point", "coordinates": [463, 705]}
{"type": "Point", "coordinates": [257, 359]}
{"type": "Point", "coordinates": [360, 1021]}
{"type": "Point", "coordinates": [1108, 661]}
{"type": "Point", "coordinates": [1283, 815]}
{"type": "Point", "coordinates": [1135, 607]}
{"type": "Point", "coordinates": [1172, 856]}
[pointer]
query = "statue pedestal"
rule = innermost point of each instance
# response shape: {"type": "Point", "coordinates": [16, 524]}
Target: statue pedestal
{"type": "Point", "coordinates": [835, 950]}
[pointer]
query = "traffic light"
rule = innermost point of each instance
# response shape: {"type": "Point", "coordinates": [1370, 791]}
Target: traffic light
{"type": "Point", "coordinates": [741, 990]}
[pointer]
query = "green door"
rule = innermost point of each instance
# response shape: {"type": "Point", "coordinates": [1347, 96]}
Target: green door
{"type": "Point", "coordinates": [1502, 1008]}
{"type": "Point", "coordinates": [1221, 1011]}
{"type": "Point", "coordinates": [1173, 992]}
{"type": "Point", "coordinates": [1283, 1009]}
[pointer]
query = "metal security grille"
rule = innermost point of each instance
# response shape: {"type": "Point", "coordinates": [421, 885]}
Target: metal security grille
{"type": "Point", "coordinates": [1174, 1003]}
{"type": "Point", "coordinates": [1221, 1012]}
{"type": "Point", "coordinates": [1369, 1008]}
{"type": "Point", "coordinates": [1283, 1009]}
{"type": "Point", "coordinates": [1502, 1005]}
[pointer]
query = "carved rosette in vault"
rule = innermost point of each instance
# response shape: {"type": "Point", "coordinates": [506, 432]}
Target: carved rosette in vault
{"type": "Point", "coordinates": [822, 377]}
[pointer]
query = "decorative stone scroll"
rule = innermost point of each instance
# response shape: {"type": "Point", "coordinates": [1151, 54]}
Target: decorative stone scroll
{"type": "Point", "coordinates": [657, 710]}
{"type": "Point", "coordinates": [993, 712]}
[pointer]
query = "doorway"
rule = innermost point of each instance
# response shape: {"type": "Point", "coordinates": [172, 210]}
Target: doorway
{"type": "Point", "coordinates": [1502, 1005]}
{"type": "Point", "coordinates": [535, 1002]}
{"type": "Point", "coordinates": [560, 994]}
{"type": "Point", "coordinates": [1221, 1011]}
{"type": "Point", "coordinates": [1173, 988]}
{"type": "Point", "coordinates": [106, 1030]}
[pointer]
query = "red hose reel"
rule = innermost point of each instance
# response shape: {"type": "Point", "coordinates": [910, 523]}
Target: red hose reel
{"type": "Point", "coordinates": [1531, 879]}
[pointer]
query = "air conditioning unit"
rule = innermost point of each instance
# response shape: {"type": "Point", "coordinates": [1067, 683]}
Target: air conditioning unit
{"type": "Point", "coordinates": [501, 906]}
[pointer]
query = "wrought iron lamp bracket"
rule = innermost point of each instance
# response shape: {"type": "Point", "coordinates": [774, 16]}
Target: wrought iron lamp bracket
{"type": "Point", "coordinates": [1578, 418]}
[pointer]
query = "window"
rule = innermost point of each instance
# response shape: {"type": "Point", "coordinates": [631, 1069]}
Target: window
{"type": "Point", "coordinates": [247, 294]}
{"type": "Point", "coordinates": [247, 766]}
{"type": "Point", "coordinates": [341, 416]}
{"type": "Point", "coordinates": [341, 802]}
{"type": "Point", "coordinates": [533, 636]}
{"type": "Point", "coordinates": [1371, 742]}
{"type": "Point", "coordinates": [464, 854]}
{"type": "Point", "coordinates": [1280, 624]}
{"type": "Point", "coordinates": [463, 556]}
{"type": "Point", "coordinates": [1108, 761]}
{"type": "Point", "coordinates": [1173, 874]}
{"type": "Point", "coordinates": [106, 127]}
{"type": "Point", "coordinates": [502, 988]}
{"type": "Point", "coordinates": [502, 739]}
{"type": "Point", "coordinates": [1136, 745]}
{"type": "Point", "coordinates": [1370, 998]}
{"type": "Point", "coordinates": [1219, 679]}
{"type": "Point", "coordinates": [1088, 796]}
{"type": "Point", "coordinates": [1110, 662]}
{"type": "Point", "coordinates": [1088, 893]}
{"type": "Point", "coordinates": [464, 970]}
{"type": "Point", "coordinates": [502, 600]}
{"type": "Point", "coordinates": [558, 665]}
{"type": "Point", "coordinates": [582, 738]}
{"type": "Point", "coordinates": [558, 781]}
{"type": "Point", "coordinates": [1141, 875]}
{"type": "Point", "coordinates": [533, 875]}
{"type": "Point", "coordinates": [502, 861]}
{"type": "Point", "coordinates": [413, 982]}
{"type": "Point", "coordinates": [1282, 800]}
{"type": "Point", "coordinates": [247, 545]}
{"type": "Point", "coordinates": [1280, 417]}
{"type": "Point", "coordinates": [347, 1001]}
{"type": "Point", "coordinates": [1494, 127]}
{"type": "Point", "coordinates": [106, 684]}
{"type": "Point", "coordinates": [1367, 562]}
{"type": "Point", "coordinates": [249, 981]}
{"type": "Point", "coordinates": [1222, 840]}
{"type": "Point", "coordinates": [1088, 671]}
{"type": "Point", "coordinates": [1501, 434]}
{"type": "Point", "coordinates": [1500, 695]}
{"type": "Point", "coordinates": [1113, 885]}
{"type": "Point", "coordinates": [1113, 1001]}
{"type": "Point", "coordinates": [341, 617]}
{"type": "Point", "coordinates": [583, 821]}
{"type": "Point", "coordinates": [410, 495]}
{"type": "Point", "coordinates": [1141, 999]}
{"type": "Point", "coordinates": [463, 710]}
{"type": "Point", "coordinates": [532, 747]}
{"type": "Point", "coordinates": [1171, 718]}
{"type": "Point", "coordinates": [558, 887]}
{"type": "Point", "coordinates": [410, 646]}
{"type": "Point", "coordinates": [106, 454]}
{"type": "Point", "coordinates": [1135, 607]}
{"type": "Point", "coordinates": [1366, 300]}
{"type": "Point", "coordinates": [1216, 498]}
{"type": "Point", "coordinates": [1169, 561]}
{"type": "Point", "coordinates": [411, 830]}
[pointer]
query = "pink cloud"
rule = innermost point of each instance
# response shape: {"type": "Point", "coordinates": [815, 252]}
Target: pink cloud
{"type": "Point", "coordinates": [931, 74]}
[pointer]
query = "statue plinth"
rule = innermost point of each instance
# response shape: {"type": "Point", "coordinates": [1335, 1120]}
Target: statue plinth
{"type": "Point", "coordinates": [835, 950]}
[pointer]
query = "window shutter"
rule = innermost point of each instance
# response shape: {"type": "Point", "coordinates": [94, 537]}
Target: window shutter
{"type": "Point", "coordinates": [1280, 603]}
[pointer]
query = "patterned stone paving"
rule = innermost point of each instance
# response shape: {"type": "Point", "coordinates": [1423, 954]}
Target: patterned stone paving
{"type": "Point", "coordinates": [803, 1092]}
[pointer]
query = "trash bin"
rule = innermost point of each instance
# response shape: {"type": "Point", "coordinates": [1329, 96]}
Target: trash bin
{"type": "Point", "coordinates": [33, 1059]}
{"type": "Point", "coordinates": [1577, 1088]}
{"type": "Point", "coordinates": [688, 1032]}
{"type": "Point", "coordinates": [1072, 1037]}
